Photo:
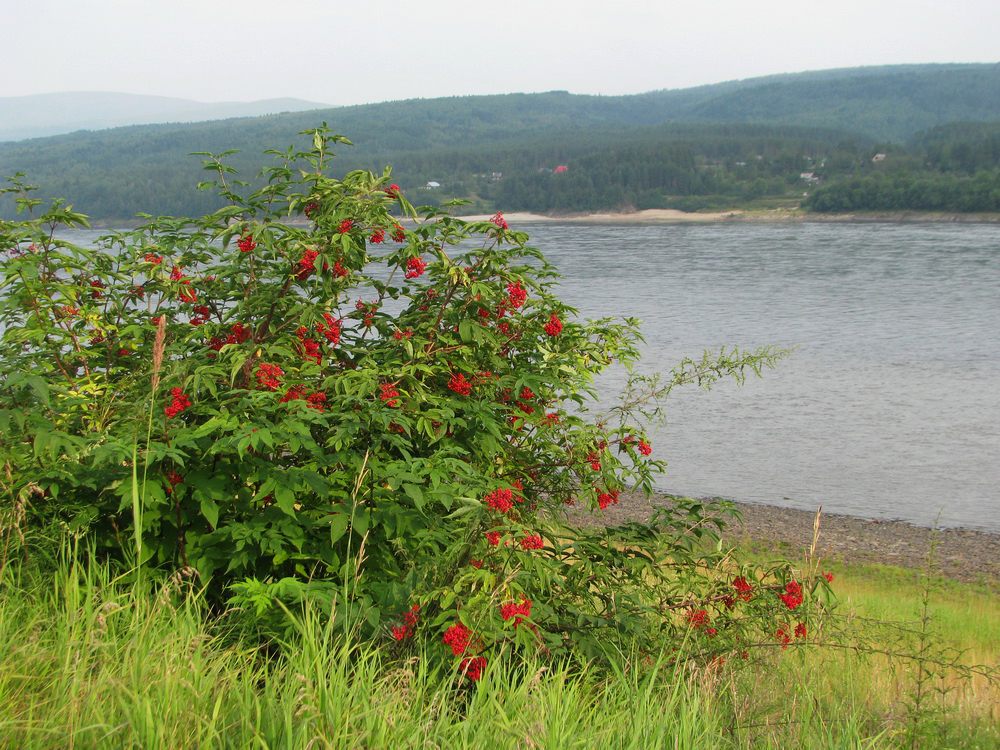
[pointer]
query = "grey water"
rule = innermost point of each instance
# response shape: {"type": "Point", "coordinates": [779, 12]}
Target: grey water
{"type": "Point", "coordinates": [889, 407]}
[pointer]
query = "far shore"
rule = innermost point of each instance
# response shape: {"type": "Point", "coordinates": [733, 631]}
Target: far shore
{"type": "Point", "coordinates": [653, 216]}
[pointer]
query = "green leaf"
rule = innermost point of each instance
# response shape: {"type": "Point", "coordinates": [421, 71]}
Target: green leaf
{"type": "Point", "coordinates": [465, 331]}
{"type": "Point", "coordinates": [284, 497]}
{"type": "Point", "coordinates": [40, 387]}
{"type": "Point", "coordinates": [339, 522]}
{"type": "Point", "coordinates": [416, 493]}
{"type": "Point", "coordinates": [210, 510]}
{"type": "Point", "coordinates": [361, 520]}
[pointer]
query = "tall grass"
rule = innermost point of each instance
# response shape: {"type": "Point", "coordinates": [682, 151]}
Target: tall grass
{"type": "Point", "coordinates": [94, 660]}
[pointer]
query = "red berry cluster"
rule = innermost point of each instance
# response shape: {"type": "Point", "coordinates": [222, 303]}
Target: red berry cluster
{"type": "Point", "coordinates": [458, 637]}
{"type": "Point", "coordinates": [95, 289]}
{"type": "Point", "coordinates": [517, 294]}
{"type": "Point", "coordinates": [246, 244]}
{"type": "Point", "coordinates": [201, 313]}
{"type": "Point", "coordinates": [604, 499]}
{"type": "Point", "coordinates": [499, 220]}
{"type": "Point", "coordinates": [306, 265]}
{"type": "Point", "coordinates": [524, 397]}
{"type": "Point", "coordinates": [743, 588]}
{"type": "Point", "coordinates": [180, 402]}
{"type": "Point", "coordinates": [785, 637]}
{"type": "Point", "coordinates": [377, 237]}
{"type": "Point", "coordinates": [415, 267]}
{"type": "Point", "coordinates": [345, 226]}
{"type": "Point", "coordinates": [187, 293]}
{"type": "Point", "coordinates": [793, 594]}
{"type": "Point", "coordinates": [368, 310]}
{"type": "Point", "coordinates": [311, 208]}
{"type": "Point", "coordinates": [554, 326]}
{"type": "Point", "coordinates": [501, 500]}
{"type": "Point", "coordinates": [645, 448]}
{"type": "Point", "coordinates": [398, 233]}
{"type": "Point", "coordinates": [517, 612]}
{"type": "Point", "coordinates": [697, 618]}
{"type": "Point", "coordinates": [389, 395]}
{"type": "Point", "coordinates": [331, 330]}
{"type": "Point", "coordinates": [459, 384]}
{"type": "Point", "coordinates": [308, 347]}
{"type": "Point", "coordinates": [237, 335]}
{"type": "Point", "coordinates": [392, 191]}
{"type": "Point", "coordinates": [268, 376]}
{"type": "Point", "coordinates": [313, 400]}
{"type": "Point", "coordinates": [473, 667]}
{"type": "Point", "coordinates": [174, 479]}
{"type": "Point", "coordinates": [409, 626]}
{"type": "Point", "coordinates": [532, 541]}
{"type": "Point", "coordinates": [153, 258]}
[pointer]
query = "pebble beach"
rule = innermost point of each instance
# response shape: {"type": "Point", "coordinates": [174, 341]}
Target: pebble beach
{"type": "Point", "coordinates": [961, 554]}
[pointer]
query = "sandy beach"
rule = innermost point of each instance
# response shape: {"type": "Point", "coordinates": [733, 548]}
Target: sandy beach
{"type": "Point", "coordinates": [649, 216]}
{"type": "Point", "coordinates": [673, 216]}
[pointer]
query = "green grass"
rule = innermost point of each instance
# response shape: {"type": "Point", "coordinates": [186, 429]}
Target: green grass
{"type": "Point", "coordinates": [95, 661]}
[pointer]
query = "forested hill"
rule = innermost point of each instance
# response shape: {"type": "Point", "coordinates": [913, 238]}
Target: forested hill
{"type": "Point", "coordinates": [739, 140]}
{"type": "Point", "coordinates": [887, 104]}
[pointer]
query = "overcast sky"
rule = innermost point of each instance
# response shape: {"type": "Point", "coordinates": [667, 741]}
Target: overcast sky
{"type": "Point", "coordinates": [362, 51]}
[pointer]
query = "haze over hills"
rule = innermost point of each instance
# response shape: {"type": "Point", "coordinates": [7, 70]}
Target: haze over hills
{"type": "Point", "coordinates": [890, 103]}
{"type": "Point", "coordinates": [51, 114]}
{"type": "Point", "coordinates": [746, 138]}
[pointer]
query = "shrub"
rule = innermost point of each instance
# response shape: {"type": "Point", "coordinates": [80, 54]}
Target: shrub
{"type": "Point", "coordinates": [322, 393]}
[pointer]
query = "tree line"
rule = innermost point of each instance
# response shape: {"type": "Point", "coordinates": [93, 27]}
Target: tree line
{"type": "Point", "coordinates": [115, 175]}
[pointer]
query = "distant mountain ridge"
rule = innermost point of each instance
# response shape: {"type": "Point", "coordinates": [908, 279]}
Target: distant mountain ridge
{"type": "Point", "coordinates": [42, 115]}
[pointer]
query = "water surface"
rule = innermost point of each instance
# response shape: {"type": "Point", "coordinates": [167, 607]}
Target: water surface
{"type": "Point", "coordinates": [888, 409]}
{"type": "Point", "coordinates": [889, 406]}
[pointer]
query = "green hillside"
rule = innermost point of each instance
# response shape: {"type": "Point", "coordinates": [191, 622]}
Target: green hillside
{"type": "Point", "coordinates": [705, 147]}
{"type": "Point", "coordinates": [890, 106]}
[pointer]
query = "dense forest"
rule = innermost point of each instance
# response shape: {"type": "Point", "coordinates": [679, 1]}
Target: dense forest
{"type": "Point", "coordinates": [894, 138]}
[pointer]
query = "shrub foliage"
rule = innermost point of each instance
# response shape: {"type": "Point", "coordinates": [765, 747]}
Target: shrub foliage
{"type": "Point", "coordinates": [320, 392]}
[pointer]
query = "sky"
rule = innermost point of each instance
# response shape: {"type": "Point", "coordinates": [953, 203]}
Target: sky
{"type": "Point", "coordinates": [364, 51]}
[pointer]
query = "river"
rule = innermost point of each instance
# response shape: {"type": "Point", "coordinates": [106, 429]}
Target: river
{"type": "Point", "coordinates": [889, 406]}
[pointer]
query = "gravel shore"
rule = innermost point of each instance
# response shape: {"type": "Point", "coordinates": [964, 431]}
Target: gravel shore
{"type": "Point", "coordinates": [960, 554]}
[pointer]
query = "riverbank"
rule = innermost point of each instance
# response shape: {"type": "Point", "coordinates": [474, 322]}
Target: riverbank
{"type": "Point", "coordinates": [961, 554]}
{"type": "Point", "coordinates": [672, 216]}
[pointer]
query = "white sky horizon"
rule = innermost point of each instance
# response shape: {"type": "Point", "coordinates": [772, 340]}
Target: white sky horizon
{"type": "Point", "coordinates": [342, 53]}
